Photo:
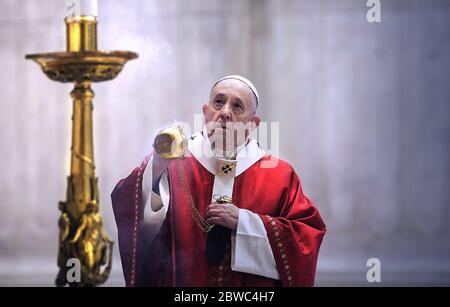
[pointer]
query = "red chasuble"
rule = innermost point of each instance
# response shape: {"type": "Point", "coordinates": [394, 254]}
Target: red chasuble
{"type": "Point", "coordinates": [176, 257]}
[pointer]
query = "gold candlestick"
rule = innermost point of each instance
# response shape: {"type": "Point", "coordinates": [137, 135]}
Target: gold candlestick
{"type": "Point", "coordinates": [80, 225]}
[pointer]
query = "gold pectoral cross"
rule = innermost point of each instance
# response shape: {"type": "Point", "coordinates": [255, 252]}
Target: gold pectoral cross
{"type": "Point", "coordinates": [225, 167]}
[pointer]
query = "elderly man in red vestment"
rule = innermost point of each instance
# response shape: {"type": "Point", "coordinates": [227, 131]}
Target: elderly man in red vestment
{"type": "Point", "coordinates": [226, 214]}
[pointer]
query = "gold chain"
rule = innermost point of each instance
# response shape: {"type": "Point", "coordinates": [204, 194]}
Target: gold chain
{"type": "Point", "coordinates": [201, 222]}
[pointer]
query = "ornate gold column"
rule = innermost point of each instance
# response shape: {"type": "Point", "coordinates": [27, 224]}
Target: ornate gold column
{"type": "Point", "coordinates": [81, 231]}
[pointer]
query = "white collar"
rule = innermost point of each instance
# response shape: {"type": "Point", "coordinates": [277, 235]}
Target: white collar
{"type": "Point", "coordinates": [200, 147]}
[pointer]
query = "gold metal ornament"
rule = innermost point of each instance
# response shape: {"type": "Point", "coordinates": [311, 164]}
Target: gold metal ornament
{"type": "Point", "coordinates": [222, 199]}
{"type": "Point", "coordinates": [170, 143]}
{"type": "Point", "coordinates": [80, 225]}
{"type": "Point", "coordinates": [225, 167]}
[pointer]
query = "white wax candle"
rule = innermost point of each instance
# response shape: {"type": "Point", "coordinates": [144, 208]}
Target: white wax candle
{"type": "Point", "coordinates": [81, 8]}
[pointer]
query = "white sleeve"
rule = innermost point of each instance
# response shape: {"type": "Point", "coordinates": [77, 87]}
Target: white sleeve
{"type": "Point", "coordinates": [250, 247]}
{"type": "Point", "coordinates": [155, 206]}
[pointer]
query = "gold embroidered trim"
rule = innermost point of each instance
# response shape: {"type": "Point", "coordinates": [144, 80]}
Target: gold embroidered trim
{"type": "Point", "coordinates": [285, 267]}
{"type": "Point", "coordinates": [135, 226]}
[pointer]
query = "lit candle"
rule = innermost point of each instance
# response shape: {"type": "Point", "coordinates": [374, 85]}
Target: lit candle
{"type": "Point", "coordinates": [81, 8]}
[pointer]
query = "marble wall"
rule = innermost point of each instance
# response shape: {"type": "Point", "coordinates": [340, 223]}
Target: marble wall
{"type": "Point", "coordinates": [363, 110]}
